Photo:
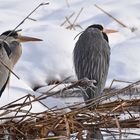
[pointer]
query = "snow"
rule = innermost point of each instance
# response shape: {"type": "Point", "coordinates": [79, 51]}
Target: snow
{"type": "Point", "coordinates": [54, 61]}
{"type": "Point", "coordinates": [51, 59]}
{"type": "Point", "coordinates": [18, 89]}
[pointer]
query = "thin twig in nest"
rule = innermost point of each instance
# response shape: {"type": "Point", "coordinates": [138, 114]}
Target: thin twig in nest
{"type": "Point", "coordinates": [120, 81]}
{"type": "Point", "coordinates": [107, 115]}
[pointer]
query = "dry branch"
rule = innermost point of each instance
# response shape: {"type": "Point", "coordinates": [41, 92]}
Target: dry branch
{"type": "Point", "coordinates": [60, 124]}
{"type": "Point", "coordinates": [67, 18]}
{"type": "Point", "coordinates": [118, 21]}
{"type": "Point", "coordinates": [111, 16]}
{"type": "Point", "coordinates": [72, 25]}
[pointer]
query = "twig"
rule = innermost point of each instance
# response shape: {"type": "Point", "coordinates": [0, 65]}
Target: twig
{"type": "Point", "coordinates": [25, 19]}
{"type": "Point", "coordinates": [111, 16]}
{"type": "Point", "coordinates": [120, 81]}
{"type": "Point", "coordinates": [118, 126]}
{"type": "Point", "coordinates": [122, 24]}
{"type": "Point", "coordinates": [9, 69]}
{"type": "Point", "coordinates": [76, 17]}
{"type": "Point", "coordinates": [32, 19]}
{"type": "Point", "coordinates": [71, 123]}
{"type": "Point", "coordinates": [118, 21]}
{"type": "Point", "coordinates": [28, 111]}
{"type": "Point", "coordinates": [45, 105]}
{"type": "Point", "coordinates": [55, 137]}
{"type": "Point", "coordinates": [67, 18]}
{"type": "Point", "coordinates": [70, 24]}
{"type": "Point", "coordinates": [42, 96]}
{"type": "Point", "coordinates": [67, 126]}
{"type": "Point", "coordinates": [129, 133]}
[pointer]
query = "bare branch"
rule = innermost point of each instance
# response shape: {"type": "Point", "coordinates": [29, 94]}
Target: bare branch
{"type": "Point", "coordinates": [9, 69]}
{"type": "Point", "coordinates": [111, 16]}
{"type": "Point", "coordinates": [67, 18]}
{"type": "Point", "coordinates": [25, 19]}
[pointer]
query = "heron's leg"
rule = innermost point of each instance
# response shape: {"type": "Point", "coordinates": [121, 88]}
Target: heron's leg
{"type": "Point", "coordinates": [94, 134]}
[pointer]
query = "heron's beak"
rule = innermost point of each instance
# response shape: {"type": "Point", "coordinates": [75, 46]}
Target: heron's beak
{"type": "Point", "coordinates": [108, 31]}
{"type": "Point", "coordinates": [26, 39]}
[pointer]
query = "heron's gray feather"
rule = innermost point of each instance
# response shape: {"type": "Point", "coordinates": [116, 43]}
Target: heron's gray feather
{"type": "Point", "coordinates": [4, 86]}
{"type": "Point", "coordinates": [91, 59]}
{"type": "Point", "coordinates": [4, 72]}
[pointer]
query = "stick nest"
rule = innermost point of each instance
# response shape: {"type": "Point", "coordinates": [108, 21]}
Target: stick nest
{"type": "Point", "coordinates": [113, 110]}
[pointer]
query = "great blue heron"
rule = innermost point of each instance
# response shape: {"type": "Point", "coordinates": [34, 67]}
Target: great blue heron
{"type": "Point", "coordinates": [91, 58]}
{"type": "Point", "coordinates": [10, 52]}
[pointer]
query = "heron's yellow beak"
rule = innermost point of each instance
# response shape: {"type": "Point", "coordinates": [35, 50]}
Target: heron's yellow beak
{"type": "Point", "coordinates": [26, 39]}
{"type": "Point", "coordinates": [108, 31]}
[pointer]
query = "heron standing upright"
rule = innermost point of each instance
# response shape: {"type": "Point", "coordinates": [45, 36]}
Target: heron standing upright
{"type": "Point", "coordinates": [91, 58]}
{"type": "Point", "coordinates": [10, 52]}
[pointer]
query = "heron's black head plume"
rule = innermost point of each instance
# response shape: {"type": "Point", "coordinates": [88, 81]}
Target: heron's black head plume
{"type": "Point", "coordinates": [11, 33]}
{"type": "Point", "coordinates": [98, 26]}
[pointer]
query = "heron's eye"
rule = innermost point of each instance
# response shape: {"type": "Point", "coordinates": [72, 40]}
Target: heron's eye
{"type": "Point", "coordinates": [15, 34]}
{"type": "Point", "coordinates": [18, 34]}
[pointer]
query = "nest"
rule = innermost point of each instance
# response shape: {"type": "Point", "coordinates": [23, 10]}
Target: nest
{"type": "Point", "coordinates": [19, 122]}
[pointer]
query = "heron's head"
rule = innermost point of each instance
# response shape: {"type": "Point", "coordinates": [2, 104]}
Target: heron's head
{"type": "Point", "coordinates": [103, 30]}
{"type": "Point", "coordinates": [12, 40]}
{"type": "Point", "coordinates": [98, 26]}
{"type": "Point", "coordinates": [11, 35]}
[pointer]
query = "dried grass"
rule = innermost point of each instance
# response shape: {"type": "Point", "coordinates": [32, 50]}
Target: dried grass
{"type": "Point", "coordinates": [115, 19]}
{"type": "Point", "coordinates": [72, 24]}
{"type": "Point", "coordinates": [57, 124]}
